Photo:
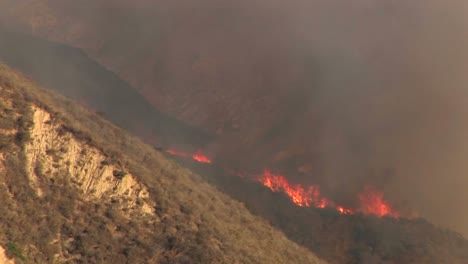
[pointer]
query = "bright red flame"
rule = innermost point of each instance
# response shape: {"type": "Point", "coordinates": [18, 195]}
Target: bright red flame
{"type": "Point", "coordinates": [372, 202]}
{"type": "Point", "coordinates": [299, 195]}
{"type": "Point", "coordinates": [198, 156]}
{"type": "Point", "coordinates": [343, 210]}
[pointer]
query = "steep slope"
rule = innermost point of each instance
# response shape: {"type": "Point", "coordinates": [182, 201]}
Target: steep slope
{"type": "Point", "coordinates": [75, 188]}
{"type": "Point", "coordinates": [351, 239]}
{"type": "Point", "coordinates": [344, 238]}
{"type": "Point", "coordinates": [338, 239]}
{"type": "Point", "coordinates": [339, 93]}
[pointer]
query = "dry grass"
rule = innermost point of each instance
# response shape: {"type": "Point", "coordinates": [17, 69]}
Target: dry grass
{"type": "Point", "coordinates": [195, 223]}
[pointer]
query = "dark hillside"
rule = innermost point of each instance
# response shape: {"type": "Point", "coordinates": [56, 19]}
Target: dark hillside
{"type": "Point", "coordinates": [72, 73]}
{"type": "Point", "coordinates": [345, 238]}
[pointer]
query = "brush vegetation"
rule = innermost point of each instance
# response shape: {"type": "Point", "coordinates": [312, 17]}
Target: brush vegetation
{"type": "Point", "coordinates": [350, 239]}
{"type": "Point", "coordinates": [335, 238]}
{"type": "Point", "coordinates": [192, 221]}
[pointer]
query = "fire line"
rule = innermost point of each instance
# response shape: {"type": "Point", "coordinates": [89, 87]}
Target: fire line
{"type": "Point", "coordinates": [371, 200]}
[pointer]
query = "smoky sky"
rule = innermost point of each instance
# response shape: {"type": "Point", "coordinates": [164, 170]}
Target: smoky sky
{"type": "Point", "coordinates": [339, 93]}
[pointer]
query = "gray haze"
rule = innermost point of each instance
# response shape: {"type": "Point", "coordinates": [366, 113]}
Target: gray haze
{"type": "Point", "coordinates": [365, 91]}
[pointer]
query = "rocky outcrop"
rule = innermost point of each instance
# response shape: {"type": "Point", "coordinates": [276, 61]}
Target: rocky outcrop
{"type": "Point", "coordinates": [4, 258]}
{"type": "Point", "coordinates": [53, 153]}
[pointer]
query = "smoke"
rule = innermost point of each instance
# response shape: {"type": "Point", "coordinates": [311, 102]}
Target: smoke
{"type": "Point", "coordinates": [393, 102]}
{"type": "Point", "coordinates": [334, 92]}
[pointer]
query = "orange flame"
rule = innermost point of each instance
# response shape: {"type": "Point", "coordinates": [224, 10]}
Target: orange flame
{"type": "Point", "coordinates": [343, 210]}
{"type": "Point", "coordinates": [372, 202]}
{"type": "Point", "coordinates": [198, 156]}
{"type": "Point", "coordinates": [299, 195]}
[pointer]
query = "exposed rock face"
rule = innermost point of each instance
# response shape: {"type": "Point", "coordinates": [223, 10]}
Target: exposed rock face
{"type": "Point", "coordinates": [3, 257]}
{"type": "Point", "coordinates": [53, 152]}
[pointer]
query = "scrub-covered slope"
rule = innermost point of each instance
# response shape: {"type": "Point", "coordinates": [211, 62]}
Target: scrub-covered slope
{"type": "Point", "coordinates": [76, 188]}
{"type": "Point", "coordinates": [336, 93]}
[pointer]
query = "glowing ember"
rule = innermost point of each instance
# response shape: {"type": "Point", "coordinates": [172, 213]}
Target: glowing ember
{"type": "Point", "coordinates": [372, 202]}
{"type": "Point", "coordinates": [343, 210]}
{"type": "Point", "coordinates": [198, 156]}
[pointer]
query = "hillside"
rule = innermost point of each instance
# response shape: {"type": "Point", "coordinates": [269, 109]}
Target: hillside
{"type": "Point", "coordinates": [76, 189]}
{"type": "Point", "coordinates": [343, 238]}
{"type": "Point", "coordinates": [337, 239]}
{"type": "Point", "coordinates": [336, 93]}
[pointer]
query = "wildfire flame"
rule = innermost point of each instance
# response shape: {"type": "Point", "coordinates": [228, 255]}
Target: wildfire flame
{"type": "Point", "coordinates": [343, 210]}
{"type": "Point", "coordinates": [197, 156]}
{"type": "Point", "coordinates": [371, 200]}
{"type": "Point", "coordinates": [299, 195]}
